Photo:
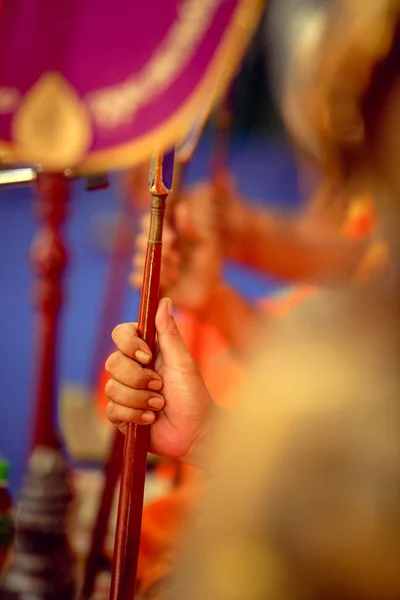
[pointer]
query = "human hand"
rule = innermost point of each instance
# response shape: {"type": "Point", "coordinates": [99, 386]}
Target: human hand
{"type": "Point", "coordinates": [171, 257]}
{"type": "Point", "coordinates": [172, 397]}
{"type": "Point", "coordinates": [192, 260]}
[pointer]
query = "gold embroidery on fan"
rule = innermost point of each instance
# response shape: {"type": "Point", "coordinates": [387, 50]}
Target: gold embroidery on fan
{"type": "Point", "coordinates": [52, 125]}
{"type": "Point", "coordinates": [205, 94]}
{"type": "Point", "coordinates": [116, 105]}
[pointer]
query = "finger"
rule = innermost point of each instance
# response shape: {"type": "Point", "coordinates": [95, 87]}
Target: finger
{"type": "Point", "coordinates": [141, 241]}
{"type": "Point", "coordinates": [131, 398]}
{"type": "Point", "coordinates": [172, 347]}
{"type": "Point", "coordinates": [136, 280]}
{"type": "Point", "coordinates": [170, 255]}
{"type": "Point", "coordinates": [166, 280]}
{"type": "Point", "coordinates": [131, 373]}
{"type": "Point", "coordinates": [169, 276]}
{"type": "Point", "coordinates": [144, 222]}
{"type": "Point", "coordinates": [120, 415]}
{"type": "Point", "coordinates": [126, 338]}
{"type": "Point", "coordinates": [170, 258]}
{"type": "Point", "coordinates": [169, 236]}
{"type": "Point", "coordinates": [122, 426]}
{"type": "Point", "coordinates": [138, 261]}
{"type": "Point", "coordinates": [186, 223]}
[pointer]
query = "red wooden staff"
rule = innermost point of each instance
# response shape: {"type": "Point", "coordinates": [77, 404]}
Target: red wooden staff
{"type": "Point", "coordinates": [130, 508]}
{"type": "Point", "coordinates": [96, 559]}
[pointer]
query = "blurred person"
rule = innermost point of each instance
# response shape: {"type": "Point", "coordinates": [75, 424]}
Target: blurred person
{"type": "Point", "coordinates": [192, 273]}
{"type": "Point", "coordinates": [303, 500]}
{"type": "Point", "coordinates": [218, 335]}
{"type": "Point", "coordinates": [269, 241]}
{"type": "Point", "coordinates": [217, 323]}
{"type": "Point", "coordinates": [216, 320]}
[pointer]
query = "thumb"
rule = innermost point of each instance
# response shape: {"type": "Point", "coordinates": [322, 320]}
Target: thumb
{"type": "Point", "coordinates": [172, 347]}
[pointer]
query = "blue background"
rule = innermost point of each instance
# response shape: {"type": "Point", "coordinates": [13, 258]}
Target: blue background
{"type": "Point", "coordinates": [265, 172]}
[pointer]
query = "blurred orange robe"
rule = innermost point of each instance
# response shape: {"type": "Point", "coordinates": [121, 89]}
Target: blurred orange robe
{"type": "Point", "coordinates": [164, 520]}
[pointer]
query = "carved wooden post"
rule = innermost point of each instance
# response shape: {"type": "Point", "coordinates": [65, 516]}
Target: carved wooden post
{"type": "Point", "coordinates": [42, 565]}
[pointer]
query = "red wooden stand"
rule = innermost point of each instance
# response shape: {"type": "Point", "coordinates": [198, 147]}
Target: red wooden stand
{"type": "Point", "coordinates": [42, 565]}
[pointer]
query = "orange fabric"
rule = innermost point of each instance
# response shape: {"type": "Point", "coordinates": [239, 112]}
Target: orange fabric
{"type": "Point", "coordinates": [218, 364]}
{"type": "Point", "coordinates": [164, 520]}
{"type": "Point", "coordinates": [162, 527]}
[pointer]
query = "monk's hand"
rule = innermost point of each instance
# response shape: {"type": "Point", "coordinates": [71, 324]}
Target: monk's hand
{"type": "Point", "coordinates": [172, 397]}
{"type": "Point", "coordinates": [171, 257]}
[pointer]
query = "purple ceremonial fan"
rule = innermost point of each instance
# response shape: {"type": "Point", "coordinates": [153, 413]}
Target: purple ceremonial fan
{"type": "Point", "coordinates": [100, 85]}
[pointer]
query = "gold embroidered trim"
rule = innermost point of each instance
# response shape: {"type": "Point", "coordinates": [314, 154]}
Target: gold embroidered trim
{"type": "Point", "coordinates": [174, 130]}
{"type": "Point", "coordinates": [117, 105]}
{"type": "Point", "coordinates": [205, 95]}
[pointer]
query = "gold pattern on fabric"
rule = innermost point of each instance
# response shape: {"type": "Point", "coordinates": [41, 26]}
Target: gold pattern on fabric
{"type": "Point", "coordinates": [28, 144]}
{"type": "Point", "coordinates": [51, 124]}
{"type": "Point", "coordinates": [206, 94]}
{"type": "Point", "coordinates": [116, 105]}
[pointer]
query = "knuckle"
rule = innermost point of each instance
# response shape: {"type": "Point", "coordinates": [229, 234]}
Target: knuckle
{"type": "Point", "coordinates": [112, 362]}
{"type": "Point", "coordinates": [110, 411]}
{"type": "Point", "coordinates": [124, 335]}
{"type": "Point", "coordinates": [110, 388]}
{"type": "Point", "coordinates": [140, 377]}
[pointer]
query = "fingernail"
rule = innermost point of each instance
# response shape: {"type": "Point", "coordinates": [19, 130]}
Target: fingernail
{"type": "Point", "coordinates": [148, 417]}
{"type": "Point", "coordinates": [155, 385]}
{"type": "Point", "coordinates": [142, 357]}
{"type": "Point", "coordinates": [156, 402]}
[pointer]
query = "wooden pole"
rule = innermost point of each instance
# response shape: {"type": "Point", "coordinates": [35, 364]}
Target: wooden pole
{"type": "Point", "coordinates": [42, 564]}
{"type": "Point", "coordinates": [137, 439]}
